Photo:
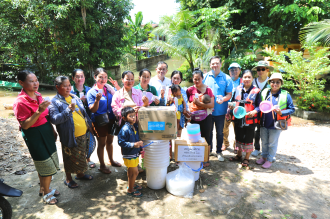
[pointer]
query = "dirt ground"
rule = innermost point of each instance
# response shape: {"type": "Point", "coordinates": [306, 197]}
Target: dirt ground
{"type": "Point", "coordinates": [296, 186]}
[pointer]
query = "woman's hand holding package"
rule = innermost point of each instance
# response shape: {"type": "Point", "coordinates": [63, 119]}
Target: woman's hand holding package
{"type": "Point", "coordinates": [157, 101]}
{"type": "Point", "coordinates": [98, 97]}
{"type": "Point", "coordinates": [145, 101]}
{"type": "Point", "coordinates": [251, 113]}
{"type": "Point", "coordinates": [43, 106]}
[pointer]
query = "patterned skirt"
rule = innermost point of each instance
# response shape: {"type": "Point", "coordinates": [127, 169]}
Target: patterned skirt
{"type": "Point", "coordinates": [74, 158]}
{"type": "Point", "coordinates": [41, 143]}
{"type": "Point", "coordinates": [244, 138]}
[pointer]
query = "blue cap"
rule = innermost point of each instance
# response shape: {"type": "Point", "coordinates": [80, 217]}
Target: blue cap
{"type": "Point", "coordinates": [234, 65]}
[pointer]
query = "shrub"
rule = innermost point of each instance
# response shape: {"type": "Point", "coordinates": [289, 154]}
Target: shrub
{"type": "Point", "coordinates": [186, 71]}
{"type": "Point", "coordinates": [315, 101]}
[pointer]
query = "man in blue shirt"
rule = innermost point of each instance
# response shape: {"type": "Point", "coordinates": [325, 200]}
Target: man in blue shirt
{"type": "Point", "coordinates": [234, 71]}
{"type": "Point", "coordinates": [220, 84]}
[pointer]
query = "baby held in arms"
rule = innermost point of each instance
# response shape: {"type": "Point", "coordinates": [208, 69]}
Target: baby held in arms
{"type": "Point", "coordinates": [202, 98]}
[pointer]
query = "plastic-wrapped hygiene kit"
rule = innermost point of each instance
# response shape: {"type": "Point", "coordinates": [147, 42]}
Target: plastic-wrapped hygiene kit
{"type": "Point", "coordinates": [181, 182]}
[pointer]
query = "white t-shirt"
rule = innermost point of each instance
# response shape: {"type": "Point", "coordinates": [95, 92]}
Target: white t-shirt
{"type": "Point", "coordinates": [258, 84]}
{"type": "Point", "coordinates": [157, 83]}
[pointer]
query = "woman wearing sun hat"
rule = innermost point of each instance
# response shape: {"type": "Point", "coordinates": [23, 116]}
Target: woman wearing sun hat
{"type": "Point", "coordinates": [269, 131]}
{"type": "Point", "coordinates": [263, 68]}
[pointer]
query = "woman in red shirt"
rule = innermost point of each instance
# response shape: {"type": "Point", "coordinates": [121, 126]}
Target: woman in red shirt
{"type": "Point", "coordinates": [31, 111]}
{"type": "Point", "coordinates": [200, 89]}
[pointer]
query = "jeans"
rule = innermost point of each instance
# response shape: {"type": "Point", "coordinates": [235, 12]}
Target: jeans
{"type": "Point", "coordinates": [257, 138]}
{"type": "Point", "coordinates": [219, 123]}
{"type": "Point", "coordinates": [269, 138]}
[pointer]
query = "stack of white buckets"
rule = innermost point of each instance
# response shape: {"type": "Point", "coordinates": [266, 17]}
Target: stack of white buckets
{"type": "Point", "coordinates": [156, 161]}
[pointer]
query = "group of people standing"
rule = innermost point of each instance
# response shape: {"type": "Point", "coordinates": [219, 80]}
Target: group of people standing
{"type": "Point", "coordinates": [80, 113]}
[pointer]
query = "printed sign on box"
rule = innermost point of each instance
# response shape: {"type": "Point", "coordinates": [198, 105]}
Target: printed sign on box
{"type": "Point", "coordinates": [191, 153]}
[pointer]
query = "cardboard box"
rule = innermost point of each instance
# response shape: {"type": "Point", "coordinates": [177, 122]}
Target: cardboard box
{"type": "Point", "coordinates": [184, 151]}
{"type": "Point", "coordinates": [157, 123]}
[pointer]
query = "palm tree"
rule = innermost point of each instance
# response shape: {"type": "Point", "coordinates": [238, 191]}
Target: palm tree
{"type": "Point", "coordinates": [316, 32]}
{"type": "Point", "coordinates": [180, 38]}
{"type": "Point", "coordinates": [138, 31]}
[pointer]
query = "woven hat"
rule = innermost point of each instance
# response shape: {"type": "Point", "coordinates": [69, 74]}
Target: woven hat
{"type": "Point", "coordinates": [275, 76]}
{"type": "Point", "coordinates": [263, 64]}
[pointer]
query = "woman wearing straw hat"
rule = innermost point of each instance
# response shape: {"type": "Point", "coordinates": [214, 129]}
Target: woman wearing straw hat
{"type": "Point", "coordinates": [272, 123]}
{"type": "Point", "coordinates": [263, 68]}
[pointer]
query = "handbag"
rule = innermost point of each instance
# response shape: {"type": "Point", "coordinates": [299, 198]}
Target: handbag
{"type": "Point", "coordinates": [103, 119]}
{"type": "Point", "coordinates": [199, 115]}
{"type": "Point", "coordinates": [115, 128]}
{"type": "Point", "coordinates": [281, 124]}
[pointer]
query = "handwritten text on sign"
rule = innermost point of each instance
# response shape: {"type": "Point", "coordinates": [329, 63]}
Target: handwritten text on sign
{"type": "Point", "coordinates": [191, 153]}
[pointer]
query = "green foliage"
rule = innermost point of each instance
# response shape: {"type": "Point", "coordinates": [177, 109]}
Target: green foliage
{"type": "Point", "coordinates": [186, 71]}
{"type": "Point", "coordinates": [315, 101]}
{"type": "Point", "coordinates": [254, 24]}
{"type": "Point", "coordinates": [58, 36]}
{"type": "Point", "coordinates": [301, 74]}
{"type": "Point", "coordinates": [137, 32]}
{"type": "Point", "coordinates": [245, 58]}
{"type": "Point", "coordinates": [316, 32]}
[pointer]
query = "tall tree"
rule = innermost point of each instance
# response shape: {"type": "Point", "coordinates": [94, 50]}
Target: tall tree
{"type": "Point", "coordinates": [139, 31]}
{"type": "Point", "coordinates": [58, 36]}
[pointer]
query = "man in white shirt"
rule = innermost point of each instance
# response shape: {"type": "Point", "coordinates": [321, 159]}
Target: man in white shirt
{"type": "Point", "coordinates": [160, 80]}
{"type": "Point", "coordinates": [263, 69]}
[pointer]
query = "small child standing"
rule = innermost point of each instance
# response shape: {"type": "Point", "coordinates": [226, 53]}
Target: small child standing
{"type": "Point", "coordinates": [182, 108]}
{"type": "Point", "coordinates": [129, 141]}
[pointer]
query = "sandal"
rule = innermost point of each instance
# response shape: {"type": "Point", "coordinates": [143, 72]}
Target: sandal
{"type": "Point", "coordinates": [245, 164]}
{"type": "Point", "coordinates": [115, 164]}
{"type": "Point", "coordinates": [91, 164]}
{"type": "Point", "coordinates": [104, 170]}
{"type": "Point", "coordinates": [136, 187]}
{"type": "Point", "coordinates": [49, 197]}
{"type": "Point", "coordinates": [206, 164]}
{"type": "Point", "coordinates": [134, 194]}
{"type": "Point", "coordinates": [70, 184]}
{"type": "Point", "coordinates": [85, 177]}
{"type": "Point", "coordinates": [236, 158]}
{"type": "Point", "coordinates": [53, 192]}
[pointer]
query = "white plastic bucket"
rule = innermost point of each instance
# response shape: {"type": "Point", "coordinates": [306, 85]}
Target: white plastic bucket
{"type": "Point", "coordinates": [156, 178]}
{"type": "Point", "coordinates": [195, 165]}
{"type": "Point", "coordinates": [153, 164]}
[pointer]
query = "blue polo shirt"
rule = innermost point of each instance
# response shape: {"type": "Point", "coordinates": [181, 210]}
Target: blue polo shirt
{"type": "Point", "coordinates": [91, 96]}
{"type": "Point", "coordinates": [220, 85]}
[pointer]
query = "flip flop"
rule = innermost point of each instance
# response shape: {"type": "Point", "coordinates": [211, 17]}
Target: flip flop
{"type": "Point", "coordinates": [133, 194]}
{"type": "Point", "coordinates": [206, 164]}
{"type": "Point", "coordinates": [137, 187]}
{"type": "Point", "coordinates": [70, 184]}
{"type": "Point", "coordinates": [53, 192]}
{"type": "Point", "coordinates": [105, 171]}
{"type": "Point", "coordinates": [116, 164]}
{"type": "Point", "coordinates": [91, 164]}
{"type": "Point", "coordinates": [85, 177]}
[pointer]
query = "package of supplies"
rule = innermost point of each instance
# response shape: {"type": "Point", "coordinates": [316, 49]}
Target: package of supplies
{"type": "Point", "coordinates": [181, 182]}
{"type": "Point", "coordinates": [187, 151]}
{"type": "Point", "coordinates": [157, 123]}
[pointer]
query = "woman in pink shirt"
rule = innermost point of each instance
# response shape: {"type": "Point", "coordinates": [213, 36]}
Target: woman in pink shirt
{"type": "Point", "coordinates": [128, 96]}
{"type": "Point", "coordinates": [31, 111]}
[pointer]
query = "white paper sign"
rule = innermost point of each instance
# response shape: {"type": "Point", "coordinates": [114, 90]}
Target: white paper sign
{"type": "Point", "coordinates": [191, 153]}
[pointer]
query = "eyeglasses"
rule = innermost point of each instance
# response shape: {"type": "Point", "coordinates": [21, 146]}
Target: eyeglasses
{"type": "Point", "coordinates": [261, 69]}
{"type": "Point", "coordinates": [275, 82]}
